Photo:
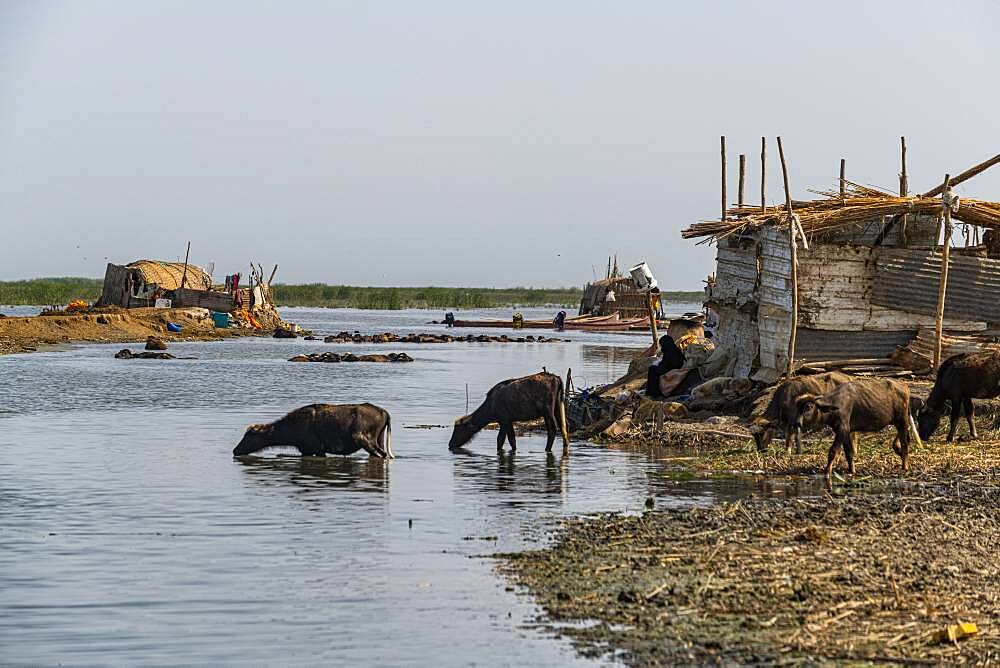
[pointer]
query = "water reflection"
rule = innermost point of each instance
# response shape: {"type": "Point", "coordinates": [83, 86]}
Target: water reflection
{"type": "Point", "coordinates": [362, 474]}
{"type": "Point", "coordinates": [518, 475]}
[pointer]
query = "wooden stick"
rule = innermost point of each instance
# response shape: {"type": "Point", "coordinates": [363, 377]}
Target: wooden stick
{"type": "Point", "coordinates": [652, 323]}
{"type": "Point", "coordinates": [943, 285]}
{"type": "Point", "coordinates": [763, 170]}
{"type": "Point", "coordinates": [186, 256]}
{"type": "Point", "coordinates": [273, 272]}
{"type": "Point", "coordinates": [743, 169]}
{"type": "Point", "coordinates": [964, 176]}
{"type": "Point", "coordinates": [723, 178]}
{"type": "Point", "coordinates": [843, 179]}
{"type": "Point", "coordinates": [903, 185]}
{"type": "Point", "coordinates": [793, 255]}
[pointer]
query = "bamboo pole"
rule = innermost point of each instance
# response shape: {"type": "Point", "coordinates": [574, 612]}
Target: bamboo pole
{"type": "Point", "coordinates": [794, 260]}
{"type": "Point", "coordinates": [903, 184]}
{"type": "Point", "coordinates": [964, 176]}
{"type": "Point", "coordinates": [743, 173]}
{"type": "Point", "coordinates": [843, 178]}
{"type": "Point", "coordinates": [943, 285]}
{"type": "Point", "coordinates": [723, 178]}
{"type": "Point", "coordinates": [186, 256]}
{"type": "Point", "coordinates": [763, 170]}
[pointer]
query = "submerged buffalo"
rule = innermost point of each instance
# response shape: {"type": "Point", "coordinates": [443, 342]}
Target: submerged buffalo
{"type": "Point", "coordinates": [782, 410]}
{"type": "Point", "coordinates": [864, 405]}
{"type": "Point", "coordinates": [320, 429]}
{"type": "Point", "coordinates": [529, 398]}
{"type": "Point", "coordinates": [960, 379]}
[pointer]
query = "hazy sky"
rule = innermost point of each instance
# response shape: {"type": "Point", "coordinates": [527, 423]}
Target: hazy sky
{"type": "Point", "coordinates": [459, 143]}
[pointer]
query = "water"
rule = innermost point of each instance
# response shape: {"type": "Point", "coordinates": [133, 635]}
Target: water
{"type": "Point", "coordinates": [128, 534]}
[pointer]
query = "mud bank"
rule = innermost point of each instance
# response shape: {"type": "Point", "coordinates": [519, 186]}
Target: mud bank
{"type": "Point", "coordinates": [18, 335]}
{"type": "Point", "coordinates": [862, 577]}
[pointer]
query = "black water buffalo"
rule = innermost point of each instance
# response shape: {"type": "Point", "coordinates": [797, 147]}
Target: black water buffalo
{"type": "Point", "coordinates": [862, 406]}
{"type": "Point", "coordinates": [320, 429]}
{"type": "Point", "coordinates": [960, 379]}
{"type": "Point", "coordinates": [782, 411]}
{"type": "Point", "coordinates": [529, 398]}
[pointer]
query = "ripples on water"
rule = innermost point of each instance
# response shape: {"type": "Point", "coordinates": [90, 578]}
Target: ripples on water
{"type": "Point", "coordinates": [128, 534]}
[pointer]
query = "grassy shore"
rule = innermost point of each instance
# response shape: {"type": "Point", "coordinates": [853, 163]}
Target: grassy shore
{"type": "Point", "coordinates": [49, 291]}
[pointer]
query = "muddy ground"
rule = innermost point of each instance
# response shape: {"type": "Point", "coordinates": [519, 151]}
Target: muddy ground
{"type": "Point", "coordinates": [132, 326]}
{"type": "Point", "coordinates": [869, 570]}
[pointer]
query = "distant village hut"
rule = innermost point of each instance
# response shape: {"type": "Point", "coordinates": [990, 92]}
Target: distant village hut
{"type": "Point", "coordinates": [141, 283]}
{"type": "Point", "coordinates": [869, 278]}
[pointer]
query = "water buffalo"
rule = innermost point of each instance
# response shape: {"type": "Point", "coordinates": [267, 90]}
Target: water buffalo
{"type": "Point", "coordinates": [782, 411]}
{"type": "Point", "coordinates": [863, 405]}
{"type": "Point", "coordinates": [320, 429]}
{"type": "Point", "coordinates": [960, 379]}
{"type": "Point", "coordinates": [531, 397]}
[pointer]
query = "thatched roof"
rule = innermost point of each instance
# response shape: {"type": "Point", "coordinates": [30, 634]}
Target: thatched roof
{"type": "Point", "coordinates": [859, 205]}
{"type": "Point", "coordinates": [168, 275]}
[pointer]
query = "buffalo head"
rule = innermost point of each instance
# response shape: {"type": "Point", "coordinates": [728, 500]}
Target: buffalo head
{"type": "Point", "coordinates": [257, 437]}
{"type": "Point", "coordinates": [463, 432]}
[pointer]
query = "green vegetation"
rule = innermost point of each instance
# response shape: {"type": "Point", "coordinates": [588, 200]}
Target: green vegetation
{"type": "Point", "coordinates": [51, 291]}
{"type": "Point", "coordinates": [337, 296]}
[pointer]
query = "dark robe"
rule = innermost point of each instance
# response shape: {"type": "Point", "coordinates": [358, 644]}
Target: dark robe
{"type": "Point", "coordinates": [673, 358]}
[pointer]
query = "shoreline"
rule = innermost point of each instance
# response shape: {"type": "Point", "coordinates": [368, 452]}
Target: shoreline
{"type": "Point", "coordinates": [872, 569]}
{"type": "Point", "coordinates": [60, 332]}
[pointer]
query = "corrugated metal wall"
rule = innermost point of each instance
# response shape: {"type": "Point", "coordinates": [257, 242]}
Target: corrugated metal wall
{"type": "Point", "coordinates": [908, 280]}
{"type": "Point", "coordinates": [813, 345]}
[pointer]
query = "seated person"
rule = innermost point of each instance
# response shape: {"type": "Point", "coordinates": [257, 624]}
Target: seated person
{"type": "Point", "coordinates": [673, 358]}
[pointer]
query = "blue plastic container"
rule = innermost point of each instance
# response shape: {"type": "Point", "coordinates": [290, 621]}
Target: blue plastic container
{"type": "Point", "coordinates": [221, 320]}
{"type": "Point", "coordinates": [173, 327]}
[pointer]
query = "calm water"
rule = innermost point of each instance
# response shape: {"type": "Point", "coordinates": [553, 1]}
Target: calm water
{"type": "Point", "coordinates": [128, 534]}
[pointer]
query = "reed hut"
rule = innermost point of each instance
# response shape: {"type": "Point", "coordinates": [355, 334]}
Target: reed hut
{"type": "Point", "coordinates": [850, 278]}
{"type": "Point", "coordinates": [142, 282]}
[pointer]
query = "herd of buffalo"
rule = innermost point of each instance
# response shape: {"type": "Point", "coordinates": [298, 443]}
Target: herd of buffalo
{"type": "Point", "coordinates": [847, 405]}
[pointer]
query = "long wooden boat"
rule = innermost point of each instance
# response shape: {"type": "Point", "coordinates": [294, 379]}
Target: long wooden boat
{"type": "Point", "coordinates": [504, 324]}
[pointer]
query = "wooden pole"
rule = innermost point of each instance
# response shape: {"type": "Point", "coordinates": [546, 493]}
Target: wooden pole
{"type": "Point", "coordinates": [964, 176]}
{"type": "Point", "coordinates": [843, 179]}
{"type": "Point", "coordinates": [903, 184]}
{"type": "Point", "coordinates": [793, 258]}
{"type": "Point", "coordinates": [763, 170]}
{"type": "Point", "coordinates": [943, 285]}
{"type": "Point", "coordinates": [273, 272]}
{"type": "Point", "coordinates": [186, 256]}
{"type": "Point", "coordinates": [743, 173]}
{"type": "Point", "coordinates": [652, 323]}
{"type": "Point", "coordinates": [723, 178]}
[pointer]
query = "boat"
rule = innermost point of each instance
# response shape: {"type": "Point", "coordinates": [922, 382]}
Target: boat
{"type": "Point", "coordinates": [504, 324]}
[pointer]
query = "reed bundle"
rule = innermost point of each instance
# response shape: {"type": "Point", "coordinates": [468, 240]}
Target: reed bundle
{"type": "Point", "coordinates": [859, 205]}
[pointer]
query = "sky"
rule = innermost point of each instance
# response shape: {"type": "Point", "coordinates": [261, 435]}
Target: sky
{"type": "Point", "coordinates": [460, 143]}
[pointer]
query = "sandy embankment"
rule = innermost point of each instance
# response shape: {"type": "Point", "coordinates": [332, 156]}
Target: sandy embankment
{"type": "Point", "coordinates": [132, 326]}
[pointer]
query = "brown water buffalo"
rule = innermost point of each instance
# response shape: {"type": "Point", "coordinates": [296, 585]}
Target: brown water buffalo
{"type": "Point", "coordinates": [782, 411]}
{"type": "Point", "coordinates": [960, 379]}
{"type": "Point", "coordinates": [529, 398]}
{"type": "Point", "coordinates": [862, 406]}
{"type": "Point", "coordinates": [320, 429]}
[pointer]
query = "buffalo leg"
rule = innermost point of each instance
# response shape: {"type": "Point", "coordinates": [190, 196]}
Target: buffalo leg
{"type": "Point", "coordinates": [370, 446]}
{"type": "Point", "coordinates": [831, 456]}
{"type": "Point", "coordinates": [956, 413]}
{"type": "Point", "coordinates": [798, 440]}
{"type": "Point", "coordinates": [970, 415]}
{"type": "Point", "coordinates": [903, 436]}
{"type": "Point", "coordinates": [501, 437]}
{"type": "Point", "coordinates": [510, 435]}
{"type": "Point", "coordinates": [849, 443]}
{"type": "Point", "coordinates": [550, 429]}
